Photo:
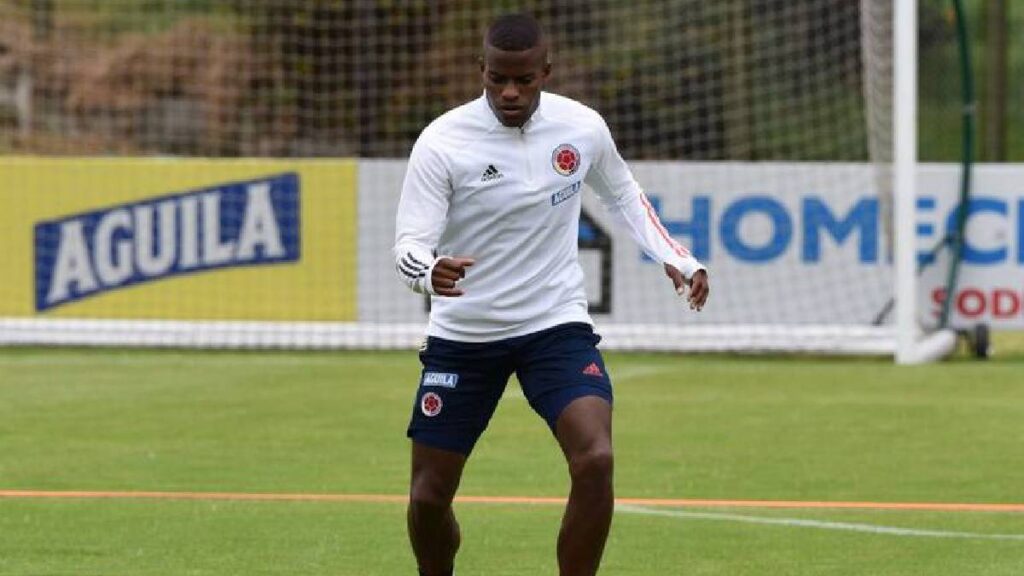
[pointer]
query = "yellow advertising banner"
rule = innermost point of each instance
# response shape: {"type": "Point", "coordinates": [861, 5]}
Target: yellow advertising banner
{"type": "Point", "coordinates": [178, 239]}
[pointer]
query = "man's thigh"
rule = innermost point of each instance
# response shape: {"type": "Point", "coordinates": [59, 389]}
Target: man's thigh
{"type": "Point", "coordinates": [459, 389]}
{"type": "Point", "coordinates": [560, 364]}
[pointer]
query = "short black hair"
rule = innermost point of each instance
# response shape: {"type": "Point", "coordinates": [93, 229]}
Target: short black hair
{"type": "Point", "coordinates": [514, 32]}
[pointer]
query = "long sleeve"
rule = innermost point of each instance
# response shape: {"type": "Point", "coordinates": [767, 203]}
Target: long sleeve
{"type": "Point", "coordinates": [611, 178]}
{"type": "Point", "coordinates": [422, 212]}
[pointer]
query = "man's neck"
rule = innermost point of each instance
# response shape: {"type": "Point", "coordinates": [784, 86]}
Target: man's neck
{"type": "Point", "coordinates": [533, 110]}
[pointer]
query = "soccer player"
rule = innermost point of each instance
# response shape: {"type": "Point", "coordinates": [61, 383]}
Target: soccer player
{"type": "Point", "coordinates": [487, 225]}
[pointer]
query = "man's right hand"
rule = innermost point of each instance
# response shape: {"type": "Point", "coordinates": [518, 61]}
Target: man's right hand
{"type": "Point", "coordinates": [446, 274]}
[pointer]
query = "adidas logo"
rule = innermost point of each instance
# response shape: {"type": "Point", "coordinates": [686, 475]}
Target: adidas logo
{"type": "Point", "coordinates": [593, 370]}
{"type": "Point", "coordinates": [491, 173]}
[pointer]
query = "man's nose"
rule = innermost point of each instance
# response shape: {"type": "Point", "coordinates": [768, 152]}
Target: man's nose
{"type": "Point", "coordinates": [510, 92]}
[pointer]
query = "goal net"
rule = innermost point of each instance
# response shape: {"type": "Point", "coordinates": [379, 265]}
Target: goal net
{"type": "Point", "coordinates": [197, 172]}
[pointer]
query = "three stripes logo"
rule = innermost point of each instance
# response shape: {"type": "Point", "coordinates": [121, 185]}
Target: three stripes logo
{"type": "Point", "coordinates": [412, 268]}
{"type": "Point", "coordinates": [491, 173]}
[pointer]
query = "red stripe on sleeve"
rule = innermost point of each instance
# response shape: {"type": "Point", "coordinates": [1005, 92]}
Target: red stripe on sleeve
{"type": "Point", "coordinates": [653, 217]}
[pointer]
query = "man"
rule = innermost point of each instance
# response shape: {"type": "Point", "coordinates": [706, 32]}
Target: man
{"type": "Point", "coordinates": [492, 189]}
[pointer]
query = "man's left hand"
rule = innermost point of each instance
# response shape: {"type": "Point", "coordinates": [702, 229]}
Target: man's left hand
{"type": "Point", "coordinates": [698, 284]}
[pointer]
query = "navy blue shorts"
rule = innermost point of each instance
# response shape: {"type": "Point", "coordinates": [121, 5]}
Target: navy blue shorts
{"type": "Point", "coordinates": [462, 382]}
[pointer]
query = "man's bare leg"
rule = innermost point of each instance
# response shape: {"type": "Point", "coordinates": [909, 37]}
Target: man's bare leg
{"type": "Point", "coordinates": [433, 530]}
{"type": "Point", "coordinates": [584, 431]}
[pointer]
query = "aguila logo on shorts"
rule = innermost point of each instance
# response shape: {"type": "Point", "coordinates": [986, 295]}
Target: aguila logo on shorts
{"type": "Point", "coordinates": [442, 379]}
{"type": "Point", "coordinates": [565, 159]}
{"type": "Point", "coordinates": [431, 404]}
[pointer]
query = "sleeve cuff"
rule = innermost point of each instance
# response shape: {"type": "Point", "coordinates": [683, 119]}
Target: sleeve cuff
{"type": "Point", "coordinates": [428, 283]}
{"type": "Point", "coordinates": [688, 267]}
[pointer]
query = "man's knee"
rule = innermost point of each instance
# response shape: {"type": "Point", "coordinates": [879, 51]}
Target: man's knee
{"type": "Point", "coordinates": [435, 477]}
{"type": "Point", "coordinates": [592, 466]}
{"type": "Point", "coordinates": [431, 492]}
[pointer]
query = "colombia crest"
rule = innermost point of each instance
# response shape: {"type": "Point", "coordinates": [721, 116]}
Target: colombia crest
{"type": "Point", "coordinates": [565, 159]}
{"type": "Point", "coordinates": [431, 404]}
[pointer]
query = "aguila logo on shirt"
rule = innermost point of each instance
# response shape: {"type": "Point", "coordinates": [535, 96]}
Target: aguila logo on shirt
{"type": "Point", "coordinates": [431, 404]}
{"type": "Point", "coordinates": [565, 159]}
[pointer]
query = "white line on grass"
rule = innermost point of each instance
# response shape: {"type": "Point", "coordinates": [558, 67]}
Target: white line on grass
{"type": "Point", "coordinates": [819, 524]}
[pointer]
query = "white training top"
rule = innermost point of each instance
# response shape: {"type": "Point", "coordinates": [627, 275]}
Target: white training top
{"type": "Point", "coordinates": [509, 198]}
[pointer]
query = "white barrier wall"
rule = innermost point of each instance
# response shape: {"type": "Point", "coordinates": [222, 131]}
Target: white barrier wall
{"type": "Point", "coordinates": [991, 283]}
{"type": "Point", "coordinates": [785, 243]}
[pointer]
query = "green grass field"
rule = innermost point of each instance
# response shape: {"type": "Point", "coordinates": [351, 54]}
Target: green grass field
{"type": "Point", "coordinates": [333, 423]}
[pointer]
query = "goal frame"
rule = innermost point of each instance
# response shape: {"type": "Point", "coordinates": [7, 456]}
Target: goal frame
{"type": "Point", "coordinates": [903, 338]}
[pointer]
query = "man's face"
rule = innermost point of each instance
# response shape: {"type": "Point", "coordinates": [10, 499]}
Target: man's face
{"type": "Point", "coordinates": [513, 81]}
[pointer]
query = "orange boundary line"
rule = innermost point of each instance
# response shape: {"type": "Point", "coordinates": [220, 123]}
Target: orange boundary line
{"type": "Point", "coordinates": [395, 498]}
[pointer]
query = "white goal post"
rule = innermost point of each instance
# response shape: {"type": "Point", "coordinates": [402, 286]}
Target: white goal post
{"type": "Point", "coordinates": [913, 345]}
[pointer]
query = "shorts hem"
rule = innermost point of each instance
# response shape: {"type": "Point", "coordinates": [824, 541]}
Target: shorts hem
{"type": "Point", "coordinates": [561, 399]}
{"type": "Point", "coordinates": [441, 441]}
